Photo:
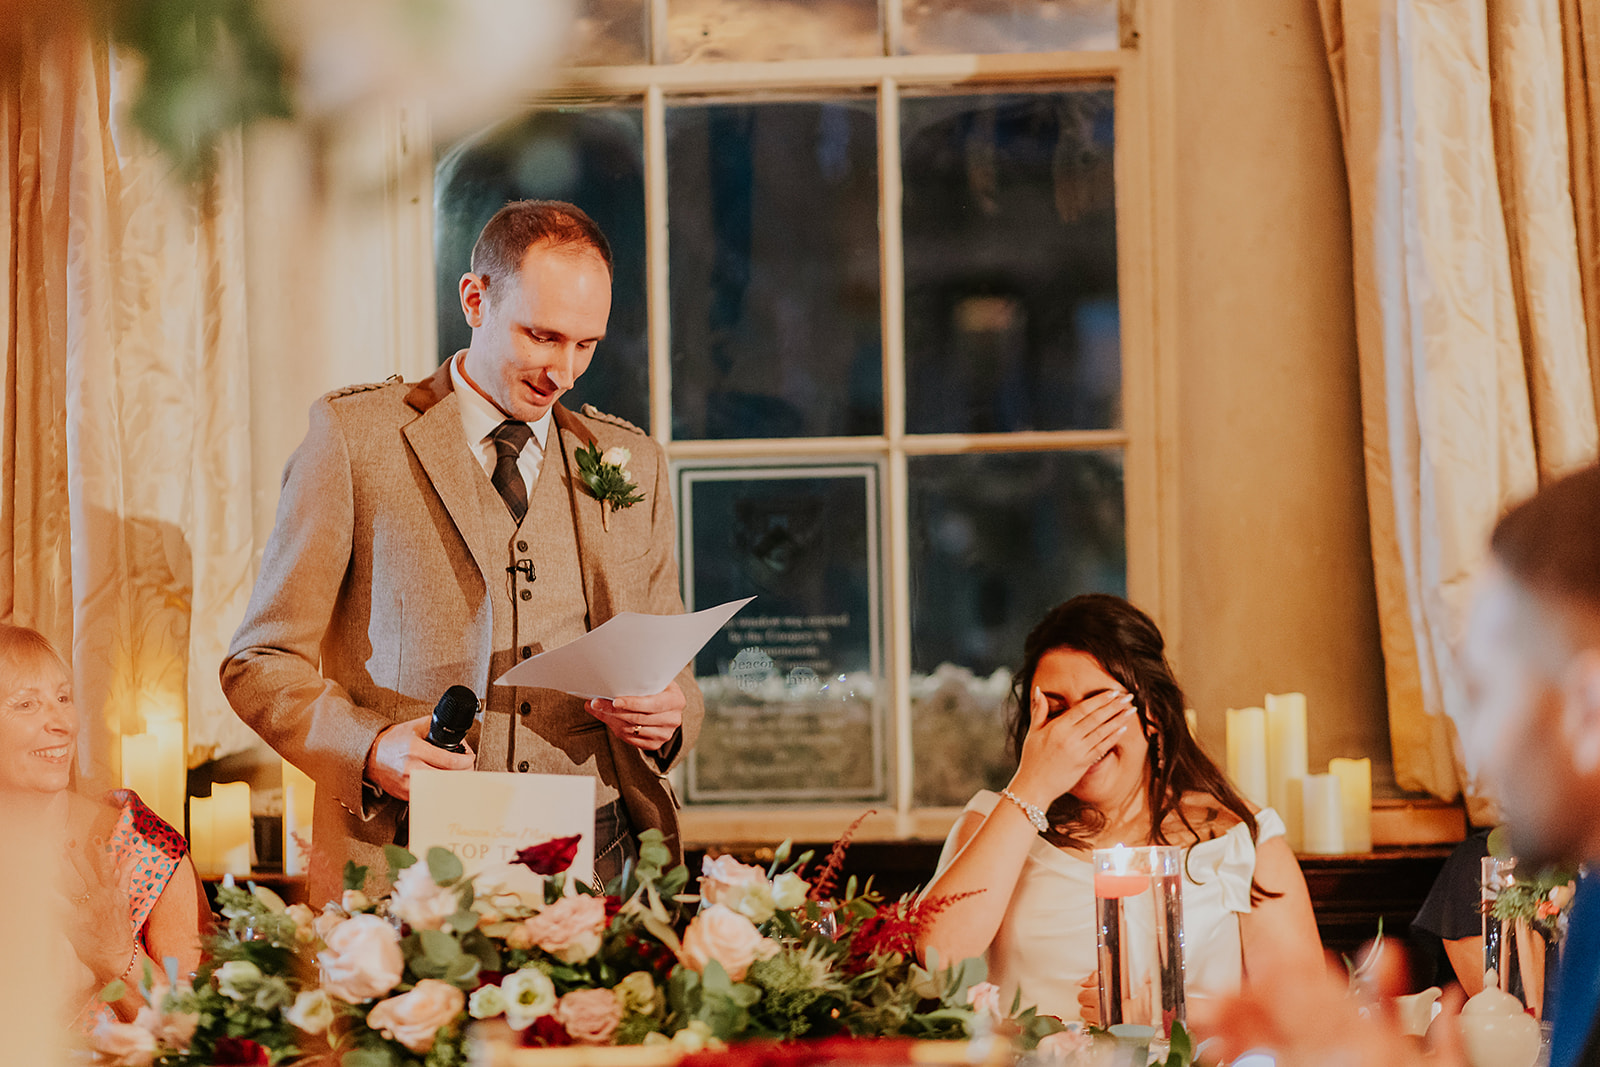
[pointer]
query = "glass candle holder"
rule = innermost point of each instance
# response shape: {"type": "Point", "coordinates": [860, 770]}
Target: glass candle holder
{"type": "Point", "coordinates": [1138, 896]}
{"type": "Point", "coordinates": [1514, 949]}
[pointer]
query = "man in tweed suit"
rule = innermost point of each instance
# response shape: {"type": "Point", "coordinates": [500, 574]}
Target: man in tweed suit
{"type": "Point", "coordinates": [433, 534]}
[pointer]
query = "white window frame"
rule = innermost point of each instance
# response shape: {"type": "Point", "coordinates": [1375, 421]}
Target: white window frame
{"type": "Point", "coordinates": [1140, 73]}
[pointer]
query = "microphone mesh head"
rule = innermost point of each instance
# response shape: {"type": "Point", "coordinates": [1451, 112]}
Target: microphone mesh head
{"type": "Point", "coordinates": [453, 715]}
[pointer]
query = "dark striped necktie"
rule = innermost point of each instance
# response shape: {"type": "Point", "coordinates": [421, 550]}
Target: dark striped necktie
{"type": "Point", "coordinates": [509, 438]}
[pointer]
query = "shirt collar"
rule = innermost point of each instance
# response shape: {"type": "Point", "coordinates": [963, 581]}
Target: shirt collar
{"type": "Point", "coordinates": [479, 416]}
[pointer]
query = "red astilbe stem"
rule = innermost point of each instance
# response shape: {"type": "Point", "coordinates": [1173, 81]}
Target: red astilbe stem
{"type": "Point", "coordinates": [827, 881]}
{"type": "Point", "coordinates": [894, 928]}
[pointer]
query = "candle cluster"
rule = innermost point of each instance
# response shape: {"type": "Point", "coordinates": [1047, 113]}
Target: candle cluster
{"type": "Point", "coordinates": [220, 830]}
{"type": "Point", "coordinates": [1323, 813]}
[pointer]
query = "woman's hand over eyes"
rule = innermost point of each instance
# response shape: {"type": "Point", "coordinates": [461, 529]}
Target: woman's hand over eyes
{"type": "Point", "coordinates": [1059, 750]}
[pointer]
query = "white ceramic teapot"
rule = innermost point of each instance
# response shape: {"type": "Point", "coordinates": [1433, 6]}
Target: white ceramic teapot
{"type": "Point", "coordinates": [1496, 1030]}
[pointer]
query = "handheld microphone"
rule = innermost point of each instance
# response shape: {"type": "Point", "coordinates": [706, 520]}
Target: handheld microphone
{"type": "Point", "coordinates": [452, 718]}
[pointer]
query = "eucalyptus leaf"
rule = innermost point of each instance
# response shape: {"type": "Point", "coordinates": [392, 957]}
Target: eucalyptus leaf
{"type": "Point", "coordinates": [439, 947]}
{"type": "Point", "coordinates": [354, 877]}
{"type": "Point", "coordinates": [114, 991]}
{"type": "Point", "coordinates": [443, 865]}
{"type": "Point", "coordinates": [398, 858]}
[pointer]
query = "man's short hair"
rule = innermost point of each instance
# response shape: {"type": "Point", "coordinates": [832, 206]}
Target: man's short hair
{"type": "Point", "coordinates": [521, 224]}
{"type": "Point", "coordinates": [1550, 543]}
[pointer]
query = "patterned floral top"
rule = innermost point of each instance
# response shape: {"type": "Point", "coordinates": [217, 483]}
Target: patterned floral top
{"type": "Point", "coordinates": [155, 849]}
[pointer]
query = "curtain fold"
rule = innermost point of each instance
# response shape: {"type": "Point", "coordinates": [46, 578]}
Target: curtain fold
{"type": "Point", "coordinates": [126, 433]}
{"type": "Point", "coordinates": [1474, 346]}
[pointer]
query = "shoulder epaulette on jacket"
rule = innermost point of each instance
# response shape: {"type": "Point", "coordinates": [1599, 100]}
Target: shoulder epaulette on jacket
{"type": "Point", "coordinates": [615, 420]}
{"type": "Point", "coordinates": [364, 387]}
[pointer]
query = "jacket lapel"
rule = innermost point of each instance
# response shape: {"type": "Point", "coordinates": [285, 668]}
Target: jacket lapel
{"type": "Point", "coordinates": [585, 515]}
{"type": "Point", "coordinates": [436, 440]}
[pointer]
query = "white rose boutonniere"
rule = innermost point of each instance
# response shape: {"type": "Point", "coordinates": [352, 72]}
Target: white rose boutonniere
{"type": "Point", "coordinates": [608, 479]}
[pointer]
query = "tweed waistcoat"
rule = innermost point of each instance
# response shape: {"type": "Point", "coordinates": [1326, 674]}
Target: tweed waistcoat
{"type": "Point", "coordinates": [540, 731]}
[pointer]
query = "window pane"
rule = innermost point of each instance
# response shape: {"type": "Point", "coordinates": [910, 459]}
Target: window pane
{"type": "Point", "coordinates": [1011, 262]}
{"type": "Point", "coordinates": [774, 269]}
{"type": "Point", "coordinates": [996, 541]}
{"type": "Point", "coordinates": [1010, 25]}
{"type": "Point", "coordinates": [611, 33]}
{"type": "Point", "coordinates": [792, 684]}
{"type": "Point", "coordinates": [591, 157]}
{"type": "Point", "coordinates": [709, 31]}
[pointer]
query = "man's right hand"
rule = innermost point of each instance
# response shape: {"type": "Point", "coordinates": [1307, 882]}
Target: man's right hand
{"type": "Point", "coordinates": [400, 749]}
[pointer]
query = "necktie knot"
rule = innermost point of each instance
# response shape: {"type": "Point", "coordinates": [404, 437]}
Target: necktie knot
{"type": "Point", "coordinates": [509, 438]}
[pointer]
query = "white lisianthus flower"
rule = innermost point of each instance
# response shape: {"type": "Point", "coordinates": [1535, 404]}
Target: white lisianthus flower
{"type": "Point", "coordinates": [487, 1001]}
{"type": "Point", "coordinates": [696, 1037]}
{"type": "Point", "coordinates": [753, 900]}
{"type": "Point", "coordinates": [305, 923]}
{"type": "Point", "coordinates": [529, 993]}
{"type": "Point", "coordinates": [638, 993]}
{"type": "Point", "coordinates": [355, 900]}
{"type": "Point", "coordinates": [789, 891]}
{"type": "Point", "coordinates": [238, 979]}
{"type": "Point", "coordinates": [312, 1011]}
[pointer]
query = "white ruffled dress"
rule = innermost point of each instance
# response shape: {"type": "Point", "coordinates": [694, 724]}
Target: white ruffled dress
{"type": "Point", "coordinates": [1046, 943]}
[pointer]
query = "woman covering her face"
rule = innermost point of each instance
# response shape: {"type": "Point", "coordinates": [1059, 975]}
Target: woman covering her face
{"type": "Point", "coordinates": [128, 893]}
{"type": "Point", "coordinates": [1105, 757]}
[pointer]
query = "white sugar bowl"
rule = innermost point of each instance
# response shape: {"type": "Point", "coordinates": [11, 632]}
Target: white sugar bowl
{"type": "Point", "coordinates": [1497, 1031]}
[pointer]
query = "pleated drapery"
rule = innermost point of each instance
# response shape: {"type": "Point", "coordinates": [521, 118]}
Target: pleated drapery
{"type": "Point", "coordinates": [125, 527]}
{"type": "Point", "coordinates": [1469, 143]}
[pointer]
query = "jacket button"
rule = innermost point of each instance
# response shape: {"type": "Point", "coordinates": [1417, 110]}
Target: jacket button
{"type": "Point", "coordinates": [526, 651]}
{"type": "Point", "coordinates": [527, 595]}
{"type": "Point", "coordinates": [527, 708]}
{"type": "Point", "coordinates": [522, 546]}
{"type": "Point", "coordinates": [523, 766]}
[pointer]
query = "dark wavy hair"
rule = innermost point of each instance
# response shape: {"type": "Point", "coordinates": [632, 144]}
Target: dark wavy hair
{"type": "Point", "coordinates": [1127, 644]}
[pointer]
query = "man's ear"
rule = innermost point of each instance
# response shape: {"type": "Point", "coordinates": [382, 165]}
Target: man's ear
{"type": "Point", "coordinates": [1582, 712]}
{"type": "Point", "coordinates": [474, 298]}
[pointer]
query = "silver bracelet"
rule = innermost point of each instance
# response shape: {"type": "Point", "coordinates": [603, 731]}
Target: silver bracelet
{"type": "Point", "coordinates": [1034, 812]}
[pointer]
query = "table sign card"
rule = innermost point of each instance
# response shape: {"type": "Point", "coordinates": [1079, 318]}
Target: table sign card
{"type": "Point", "coordinates": [486, 817]}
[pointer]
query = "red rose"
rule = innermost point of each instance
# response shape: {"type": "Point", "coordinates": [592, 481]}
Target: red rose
{"type": "Point", "coordinates": [550, 857]}
{"type": "Point", "coordinates": [239, 1052]}
{"type": "Point", "coordinates": [547, 1031]}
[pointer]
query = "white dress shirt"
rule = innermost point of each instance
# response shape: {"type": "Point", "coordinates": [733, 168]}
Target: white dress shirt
{"type": "Point", "coordinates": [479, 419]}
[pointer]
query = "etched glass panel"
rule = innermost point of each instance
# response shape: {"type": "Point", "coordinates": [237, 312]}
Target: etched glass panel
{"type": "Point", "coordinates": [996, 541]}
{"type": "Point", "coordinates": [592, 157]}
{"type": "Point", "coordinates": [1009, 26]}
{"type": "Point", "coordinates": [1011, 262]}
{"type": "Point", "coordinates": [710, 31]}
{"type": "Point", "coordinates": [793, 684]}
{"type": "Point", "coordinates": [610, 33]}
{"type": "Point", "coordinates": [774, 269]}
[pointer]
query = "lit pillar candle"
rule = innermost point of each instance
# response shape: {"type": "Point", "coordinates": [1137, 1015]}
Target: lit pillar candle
{"type": "Point", "coordinates": [141, 771]}
{"type": "Point", "coordinates": [299, 797]}
{"type": "Point", "coordinates": [1324, 815]}
{"type": "Point", "coordinates": [230, 814]}
{"type": "Point", "coordinates": [1286, 759]}
{"type": "Point", "coordinates": [1247, 753]}
{"type": "Point", "coordinates": [1355, 791]}
{"type": "Point", "coordinates": [172, 770]}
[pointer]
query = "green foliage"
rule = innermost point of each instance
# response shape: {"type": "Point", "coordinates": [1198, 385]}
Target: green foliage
{"type": "Point", "coordinates": [443, 865]}
{"type": "Point", "coordinates": [354, 877]}
{"type": "Point", "coordinates": [396, 857]}
{"type": "Point", "coordinates": [608, 482]}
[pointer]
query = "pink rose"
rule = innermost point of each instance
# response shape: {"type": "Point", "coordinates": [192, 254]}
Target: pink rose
{"type": "Point", "coordinates": [722, 934]}
{"type": "Point", "coordinates": [421, 901]}
{"type": "Point", "coordinates": [569, 929]}
{"type": "Point", "coordinates": [363, 960]}
{"type": "Point", "coordinates": [985, 997]}
{"type": "Point", "coordinates": [414, 1018]}
{"type": "Point", "coordinates": [124, 1044]}
{"type": "Point", "coordinates": [590, 1015]}
{"type": "Point", "coordinates": [720, 876]}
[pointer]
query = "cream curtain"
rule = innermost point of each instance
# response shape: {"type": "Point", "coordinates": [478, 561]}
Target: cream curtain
{"type": "Point", "coordinates": [1475, 349]}
{"type": "Point", "coordinates": [125, 532]}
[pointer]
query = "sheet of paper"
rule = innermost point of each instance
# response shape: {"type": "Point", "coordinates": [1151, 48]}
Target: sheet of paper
{"type": "Point", "coordinates": [627, 655]}
{"type": "Point", "coordinates": [486, 817]}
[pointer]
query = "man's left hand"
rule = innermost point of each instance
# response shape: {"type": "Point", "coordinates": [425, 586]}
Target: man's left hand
{"type": "Point", "coordinates": [646, 723]}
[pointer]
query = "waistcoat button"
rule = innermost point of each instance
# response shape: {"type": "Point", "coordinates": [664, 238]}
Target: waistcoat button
{"type": "Point", "coordinates": [526, 651]}
{"type": "Point", "coordinates": [527, 595]}
{"type": "Point", "coordinates": [522, 546]}
{"type": "Point", "coordinates": [523, 766]}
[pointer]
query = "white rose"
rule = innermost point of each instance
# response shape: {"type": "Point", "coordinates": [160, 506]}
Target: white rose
{"type": "Point", "coordinates": [312, 1011]}
{"type": "Point", "coordinates": [355, 900]}
{"type": "Point", "coordinates": [696, 1037]}
{"type": "Point", "coordinates": [486, 1002]}
{"type": "Point", "coordinates": [332, 915]}
{"type": "Point", "coordinates": [753, 900]}
{"type": "Point", "coordinates": [529, 994]}
{"type": "Point", "coordinates": [238, 979]}
{"type": "Point", "coordinates": [718, 877]}
{"type": "Point", "coordinates": [789, 891]}
{"type": "Point", "coordinates": [305, 923]}
{"type": "Point", "coordinates": [722, 934]}
{"type": "Point", "coordinates": [638, 993]}
{"type": "Point", "coordinates": [421, 901]}
{"type": "Point", "coordinates": [363, 960]}
{"type": "Point", "coordinates": [617, 456]}
{"type": "Point", "coordinates": [125, 1044]}
{"type": "Point", "coordinates": [415, 1018]}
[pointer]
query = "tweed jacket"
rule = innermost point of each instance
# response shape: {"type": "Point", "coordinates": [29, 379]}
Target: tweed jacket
{"type": "Point", "coordinates": [375, 596]}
